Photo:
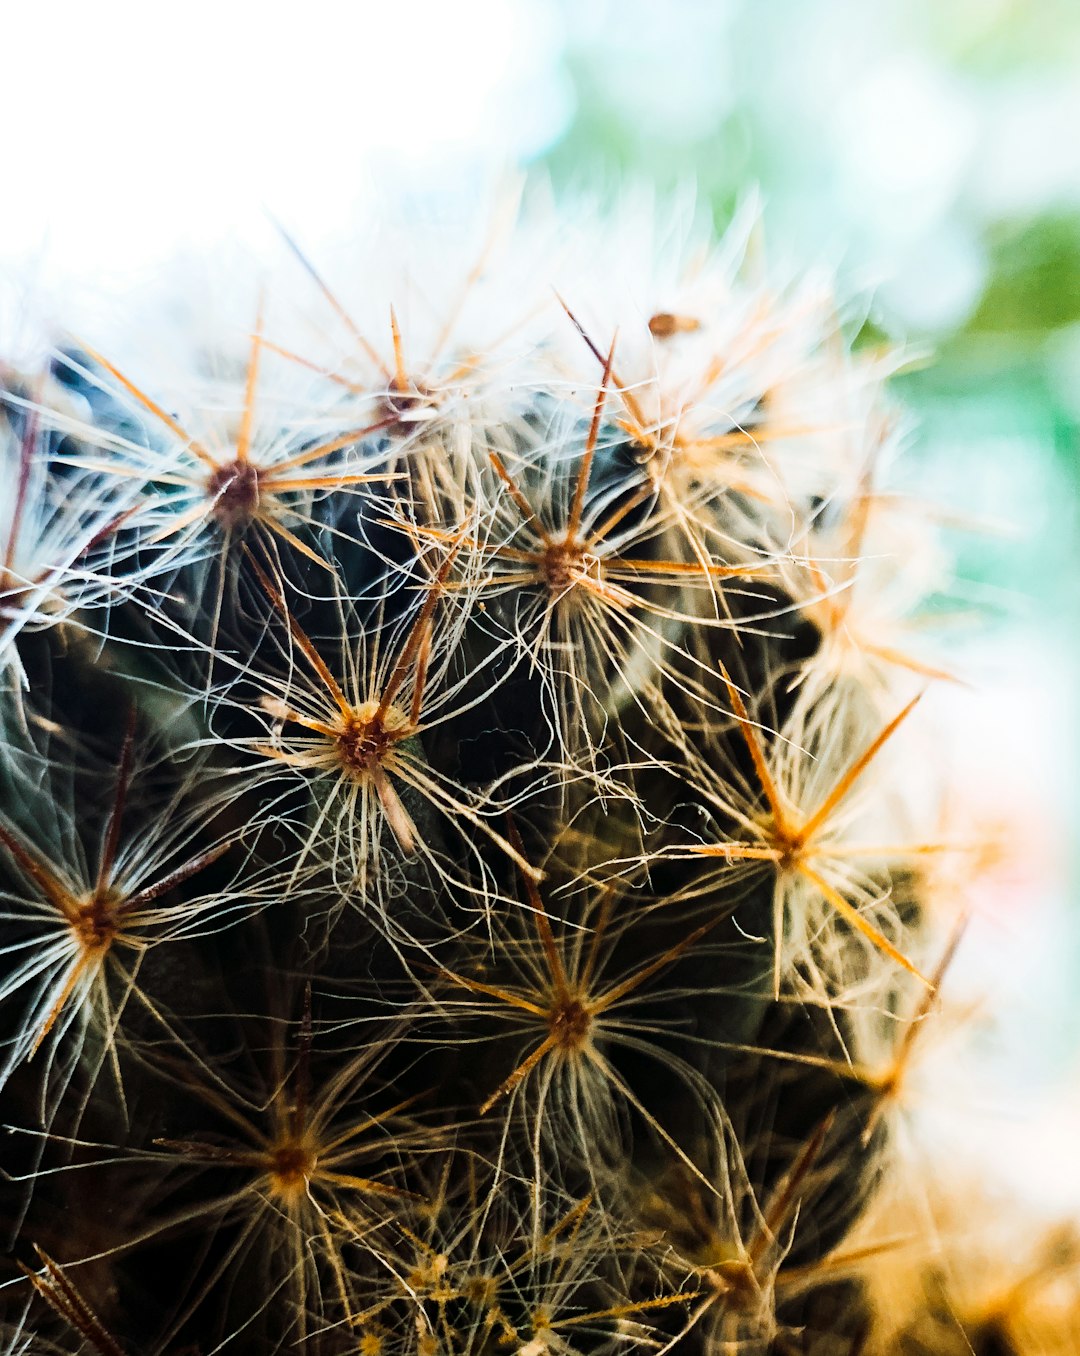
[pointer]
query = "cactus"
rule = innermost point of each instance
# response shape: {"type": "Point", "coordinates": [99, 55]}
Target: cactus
{"type": "Point", "coordinates": [461, 891]}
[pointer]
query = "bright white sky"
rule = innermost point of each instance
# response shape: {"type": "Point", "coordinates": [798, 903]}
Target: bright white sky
{"type": "Point", "coordinates": [132, 128]}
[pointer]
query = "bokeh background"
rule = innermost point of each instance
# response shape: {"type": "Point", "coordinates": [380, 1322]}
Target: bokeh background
{"type": "Point", "coordinates": [927, 151]}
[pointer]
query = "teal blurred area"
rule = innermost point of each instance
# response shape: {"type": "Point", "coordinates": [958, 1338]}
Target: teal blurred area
{"type": "Point", "coordinates": [929, 149]}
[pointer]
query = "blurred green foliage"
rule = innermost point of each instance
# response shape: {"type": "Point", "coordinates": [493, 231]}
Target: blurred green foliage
{"type": "Point", "coordinates": [1033, 285]}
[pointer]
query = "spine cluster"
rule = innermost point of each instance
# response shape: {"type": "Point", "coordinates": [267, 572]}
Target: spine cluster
{"type": "Point", "coordinates": [460, 889]}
